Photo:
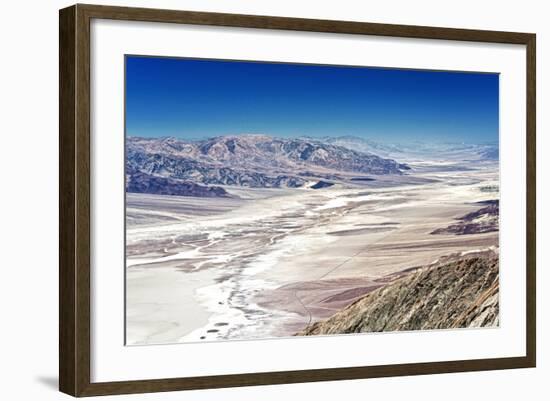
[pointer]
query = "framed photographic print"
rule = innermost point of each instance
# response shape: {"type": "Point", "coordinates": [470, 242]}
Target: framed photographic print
{"type": "Point", "coordinates": [250, 200]}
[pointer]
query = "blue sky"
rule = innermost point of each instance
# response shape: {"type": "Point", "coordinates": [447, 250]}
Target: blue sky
{"type": "Point", "coordinates": [193, 99]}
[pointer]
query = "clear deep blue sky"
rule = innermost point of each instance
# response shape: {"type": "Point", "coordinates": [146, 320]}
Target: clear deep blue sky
{"type": "Point", "coordinates": [194, 99]}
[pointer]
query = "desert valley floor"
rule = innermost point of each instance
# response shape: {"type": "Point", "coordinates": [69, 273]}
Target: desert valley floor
{"type": "Point", "coordinates": [269, 262]}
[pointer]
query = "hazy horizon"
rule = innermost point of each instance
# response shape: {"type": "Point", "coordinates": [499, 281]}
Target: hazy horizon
{"type": "Point", "coordinates": [194, 99]}
{"type": "Point", "coordinates": [383, 141]}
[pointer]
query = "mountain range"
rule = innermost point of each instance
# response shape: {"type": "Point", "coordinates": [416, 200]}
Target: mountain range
{"type": "Point", "coordinates": [256, 161]}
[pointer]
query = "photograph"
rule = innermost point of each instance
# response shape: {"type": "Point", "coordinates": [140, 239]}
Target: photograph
{"type": "Point", "coordinates": [264, 201]}
{"type": "Point", "coordinates": [276, 199]}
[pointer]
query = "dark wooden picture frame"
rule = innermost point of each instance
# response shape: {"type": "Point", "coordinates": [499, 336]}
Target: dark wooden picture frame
{"type": "Point", "coordinates": [74, 200]}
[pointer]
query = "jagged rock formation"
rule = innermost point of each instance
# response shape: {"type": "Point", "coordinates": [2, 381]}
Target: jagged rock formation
{"type": "Point", "coordinates": [484, 220]}
{"type": "Point", "coordinates": [454, 293]}
{"type": "Point", "coordinates": [249, 160]}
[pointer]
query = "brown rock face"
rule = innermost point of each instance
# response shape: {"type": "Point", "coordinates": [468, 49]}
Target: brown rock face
{"type": "Point", "coordinates": [454, 294]}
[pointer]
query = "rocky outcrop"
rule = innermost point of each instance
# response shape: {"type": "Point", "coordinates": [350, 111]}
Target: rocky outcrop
{"type": "Point", "coordinates": [321, 185]}
{"type": "Point", "coordinates": [484, 220]}
{"type": "Point", "coordinates": [460, 291]}
{"type": "Point", "coordinates": [150, 184]}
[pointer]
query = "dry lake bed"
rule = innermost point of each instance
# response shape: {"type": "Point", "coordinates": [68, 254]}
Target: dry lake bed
{"type": "Point", "coordinates": [268, 262]}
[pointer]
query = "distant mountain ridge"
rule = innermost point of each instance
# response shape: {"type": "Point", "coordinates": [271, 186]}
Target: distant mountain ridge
{"type": "Point", "coordinates": [418, 149]}
{"type": "Point", "coordinates": [258, 161]}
